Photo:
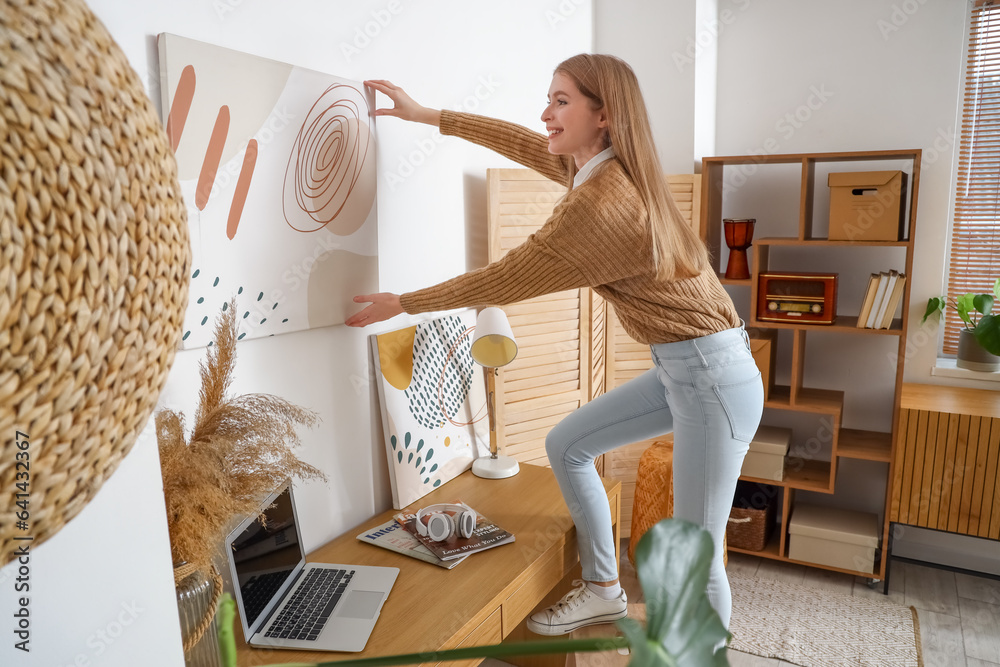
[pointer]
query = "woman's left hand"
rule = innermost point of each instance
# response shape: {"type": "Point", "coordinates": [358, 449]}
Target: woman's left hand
{"type": "Point", "coordinates": [381, 307]}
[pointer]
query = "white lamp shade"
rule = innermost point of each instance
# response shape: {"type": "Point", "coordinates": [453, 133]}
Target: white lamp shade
{"type": "Point", "coordinates": [493, 343]}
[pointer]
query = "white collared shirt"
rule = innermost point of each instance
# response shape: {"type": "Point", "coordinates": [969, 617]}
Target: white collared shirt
{"type": "Point", "coordinates": [585, 171]}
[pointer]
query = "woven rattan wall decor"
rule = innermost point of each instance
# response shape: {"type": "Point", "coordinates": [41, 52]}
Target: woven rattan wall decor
{"type": "Point", "coordinates": [94, 262]}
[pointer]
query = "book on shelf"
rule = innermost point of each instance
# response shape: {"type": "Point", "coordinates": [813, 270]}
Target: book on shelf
{"type": "Point", "coordinates": [885, 290]}
{"type": "Point", "coordinates": [886, 297]}
{"type": "Point", "coordinates": [892, 300]}
{"type": "Point", "coordinates": [866, 304]}
{"type": "Point", "coordinates": [883, 282]}
{"type": "Point", "coordinates": [393, 536]}
{"type": "Point", "coordinates": [485, 536]}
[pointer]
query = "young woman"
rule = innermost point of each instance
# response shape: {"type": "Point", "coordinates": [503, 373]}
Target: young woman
{"type": "Point", "coordinates": [619, 232]}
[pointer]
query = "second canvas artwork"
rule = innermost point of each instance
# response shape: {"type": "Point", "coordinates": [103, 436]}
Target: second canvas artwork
{"type": "Point", "coordinates": [433, 404]}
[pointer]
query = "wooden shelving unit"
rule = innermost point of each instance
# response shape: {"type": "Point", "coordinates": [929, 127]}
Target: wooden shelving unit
{"type": "Point", "coordinates": [805, 474]}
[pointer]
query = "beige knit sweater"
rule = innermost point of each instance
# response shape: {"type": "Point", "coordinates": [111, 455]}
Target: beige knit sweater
{"type": "Point", "coordinates": [597, 237]}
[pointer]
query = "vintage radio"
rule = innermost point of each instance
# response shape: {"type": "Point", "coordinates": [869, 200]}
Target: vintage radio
{"type": "Point", "coordinates": [803, 298]}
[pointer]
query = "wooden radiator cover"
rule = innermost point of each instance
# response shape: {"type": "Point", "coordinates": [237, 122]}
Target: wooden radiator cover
{"type": "Point", "coordinates": [946, 462]}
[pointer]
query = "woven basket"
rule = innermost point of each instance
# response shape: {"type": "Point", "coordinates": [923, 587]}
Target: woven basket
{"type": "Point", "coordinates": [654, 493]}
{"type": "Point", "coordinates": [94, 261]}
{"type": "Point", "coordinates": [751, 520]}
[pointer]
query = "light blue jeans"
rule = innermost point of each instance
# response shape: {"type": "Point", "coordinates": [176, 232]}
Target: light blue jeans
{"type": "Point", "coordinates": [707, 391]}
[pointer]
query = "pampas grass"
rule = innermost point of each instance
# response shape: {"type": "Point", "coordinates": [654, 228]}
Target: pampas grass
{"type": "Point", "coordinates": [239, 451]}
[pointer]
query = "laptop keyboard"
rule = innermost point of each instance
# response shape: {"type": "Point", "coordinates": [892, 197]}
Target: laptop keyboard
{"type": "Point", "coordinates": [259, 590]}
{"type": "Point", "coordinates": [310, 607]}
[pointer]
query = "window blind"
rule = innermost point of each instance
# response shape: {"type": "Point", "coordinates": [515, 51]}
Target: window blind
{"type": "Point", "coordinates": [975, 241]}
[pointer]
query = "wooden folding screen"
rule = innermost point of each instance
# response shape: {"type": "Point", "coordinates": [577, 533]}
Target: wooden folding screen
{"type": "Point", "coordinates": [551, 375]}
{"type": "Point", "coordinates": [566, 355]}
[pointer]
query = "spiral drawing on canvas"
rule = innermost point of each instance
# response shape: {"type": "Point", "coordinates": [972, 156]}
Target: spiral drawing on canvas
{"type": "Point", "coordinates": [327, 161]}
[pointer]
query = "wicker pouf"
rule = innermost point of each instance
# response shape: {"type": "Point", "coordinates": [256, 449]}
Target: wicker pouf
{"type": "Point", "coordinates": [654, 492]}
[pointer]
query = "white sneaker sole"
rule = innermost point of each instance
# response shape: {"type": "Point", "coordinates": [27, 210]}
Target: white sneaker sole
{"type": "Point", "coordinates": [566, 628]}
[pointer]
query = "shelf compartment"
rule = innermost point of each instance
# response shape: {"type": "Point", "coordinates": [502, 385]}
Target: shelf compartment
{"type": "Point", "coordinates": [842, 324]}
{"type": "Point", "coordinates": [827, 243]}
{"type": "Point", "coordinates": [840, 156]}
{"type": "Point", "coordinates": [868, 575]}
{"type": "Point", "coordinates": [865, 445]}
{"type": "Point", "coordinates": [823, 401]}
{"type": "Point", "coordinates": [771, 550]}
{"type": "Point", "coordinates": [808, 475]}
{"type": "Point", "coordinates": [733, 281]}
{"type": "Point", "coordinates": [804, 474]}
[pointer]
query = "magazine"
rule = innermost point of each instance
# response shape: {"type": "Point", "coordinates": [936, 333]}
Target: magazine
{"type": "Point", "coordinates": [392, 536]}
{"type": "Point", "coordinates": [486, 536]}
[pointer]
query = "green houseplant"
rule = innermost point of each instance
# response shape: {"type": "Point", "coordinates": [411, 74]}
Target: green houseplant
{"type": "Point", "coordinates": [981, 331]}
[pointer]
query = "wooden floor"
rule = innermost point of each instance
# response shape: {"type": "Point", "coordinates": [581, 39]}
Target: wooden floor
{"type": "Point", "coordinates": [959, 615]}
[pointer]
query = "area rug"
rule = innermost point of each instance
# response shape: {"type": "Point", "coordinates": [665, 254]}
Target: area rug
{"type": "Point", "coordinates": [812, 628]}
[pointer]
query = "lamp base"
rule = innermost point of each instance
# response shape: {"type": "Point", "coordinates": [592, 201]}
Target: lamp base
{"type": "Point", "coordinates": [495, 468]}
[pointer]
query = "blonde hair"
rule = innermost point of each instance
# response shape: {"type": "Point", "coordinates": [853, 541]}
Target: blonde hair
{"type": "Point", "coordinates": [611, 85]}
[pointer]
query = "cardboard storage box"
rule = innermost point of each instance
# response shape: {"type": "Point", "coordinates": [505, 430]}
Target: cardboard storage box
{"type": "Point", "coordinates": [832, 536]}
{"type": "Point", "coordinates": [766, 458]}
{"type": "Point", "coordinates": [867, 205]}
{"type": "Point", "coordinates": [762, 346]}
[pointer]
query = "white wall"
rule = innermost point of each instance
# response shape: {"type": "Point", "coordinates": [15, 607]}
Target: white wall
{"type": "Point", "coordinates": [658, 40]}
{"type": "Point", "coordinates": [101, 591]}
{"type": "Point", "coordinates": [491, 58]}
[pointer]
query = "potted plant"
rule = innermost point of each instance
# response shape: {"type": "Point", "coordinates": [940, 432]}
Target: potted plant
{"type": "Point", "coordinates": [979, 340]}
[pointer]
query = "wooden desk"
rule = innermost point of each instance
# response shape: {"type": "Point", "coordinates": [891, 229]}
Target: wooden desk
{"type": "Point", "coordinates": [484, 599]}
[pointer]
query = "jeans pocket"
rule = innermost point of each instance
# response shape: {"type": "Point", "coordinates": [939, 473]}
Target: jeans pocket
{"type": "Point", "coordinates": [744, 404]}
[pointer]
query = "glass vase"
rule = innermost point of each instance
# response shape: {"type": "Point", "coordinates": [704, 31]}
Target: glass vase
{"type": "Point", "coordinates": [194, 604]}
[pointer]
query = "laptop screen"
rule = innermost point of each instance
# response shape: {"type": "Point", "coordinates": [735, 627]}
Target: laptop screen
{"type": "Point", "coordinates": [265, 555]}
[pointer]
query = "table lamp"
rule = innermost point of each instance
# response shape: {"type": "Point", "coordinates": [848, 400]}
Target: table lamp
{"type": "Point", "coordinates": [493, 346]}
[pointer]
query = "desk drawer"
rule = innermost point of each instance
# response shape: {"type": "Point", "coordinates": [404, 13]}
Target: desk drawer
{"type": "Point", "coordinates": [547, 573]}
{"type": "Point", "coordinates": [489, 632]}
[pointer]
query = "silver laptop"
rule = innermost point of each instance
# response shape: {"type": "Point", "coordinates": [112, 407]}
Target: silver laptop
{"type": "Point", "coordinates": [285, 602]}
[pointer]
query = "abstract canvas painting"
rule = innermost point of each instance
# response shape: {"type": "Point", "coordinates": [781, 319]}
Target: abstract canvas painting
{"type": "Point", "coordinates": [433, 404]}
{"type": "Point", "coordinates": [277, 167]}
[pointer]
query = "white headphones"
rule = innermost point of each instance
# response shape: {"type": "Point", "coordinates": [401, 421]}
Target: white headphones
{"type": "Point", "coordinates": [441, 524]}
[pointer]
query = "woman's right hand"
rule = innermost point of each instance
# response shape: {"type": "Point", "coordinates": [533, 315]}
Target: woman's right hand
{"type": "Point", "coordinates": [403, 105]}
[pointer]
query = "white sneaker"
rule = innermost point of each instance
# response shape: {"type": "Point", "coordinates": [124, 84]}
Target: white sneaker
{"type": "Point", "coordinates": [578, 608]}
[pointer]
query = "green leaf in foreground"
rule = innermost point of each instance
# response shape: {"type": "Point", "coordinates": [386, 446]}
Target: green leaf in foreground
{"type": "Point", "coordinates": [673, 560]}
